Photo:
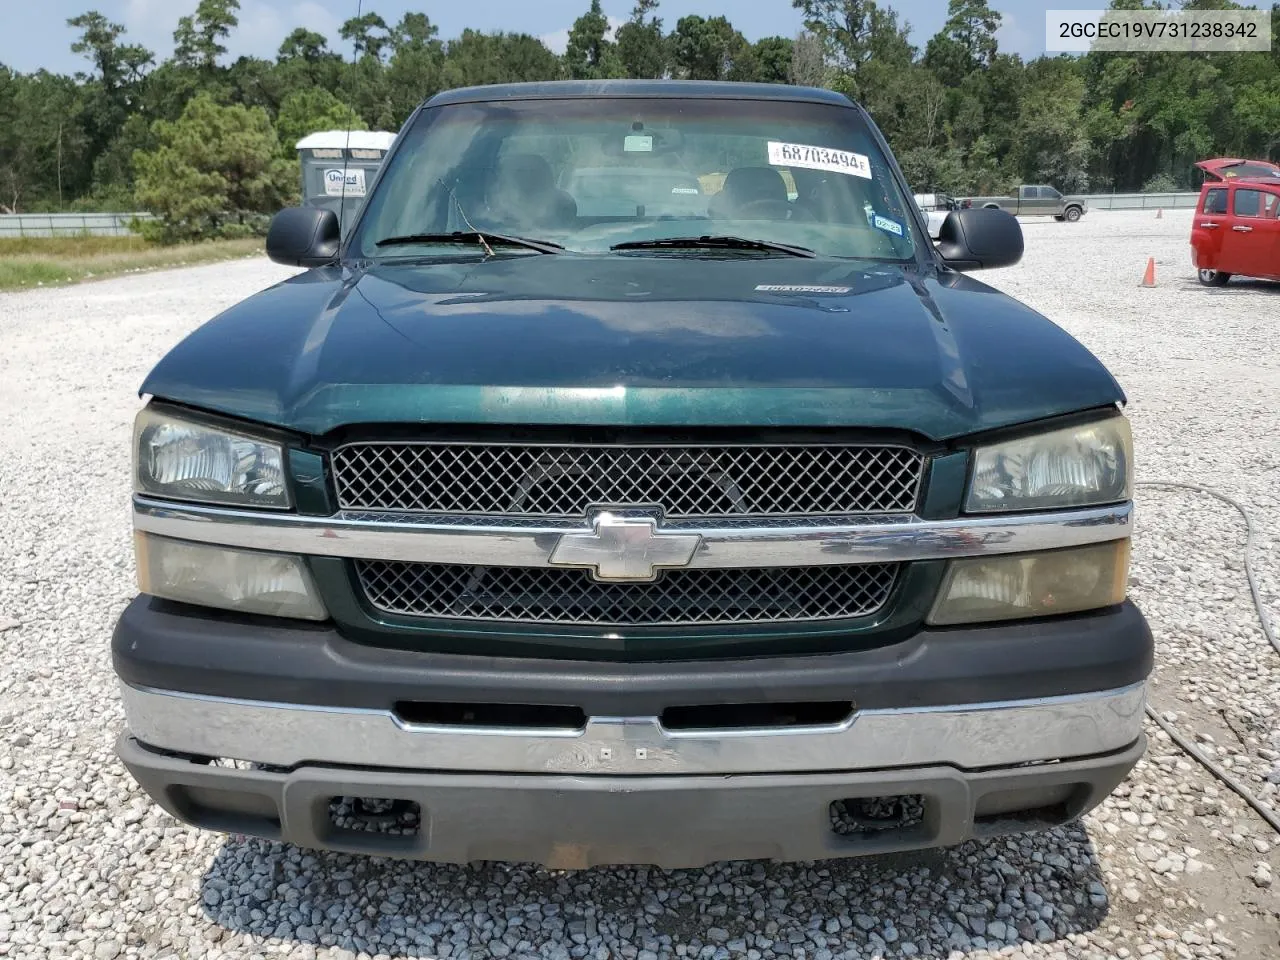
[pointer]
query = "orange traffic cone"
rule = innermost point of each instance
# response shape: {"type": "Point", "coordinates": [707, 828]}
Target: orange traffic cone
{"type": "Point", "coordinates": [1159, 212]}
{"type": "Point", "coordinates": [1149, 277]}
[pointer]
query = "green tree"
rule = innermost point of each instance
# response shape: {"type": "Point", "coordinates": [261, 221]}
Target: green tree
{"type": "Point", "coordinates": [113, 180]}
{"type": "Point", "coordinates": [590, 54]}
{"type": "Point", "coordinates": [416, 69]}
{"type": "Point", "coordinates": [10, 164]}
{"type": "Point", "coordinates": [1050, 145]}
{"type": "Point", "coordinates": [198, 39]}
{"type": "Point", "coordinates": [255, 83]}
{"type": "Point", "coordinates": [217, 171]}
{"type": "Point", "coordinates": [117, 64]}
{"type": "Point", "coordinates": [108, 93]}
{"type": "Point", "coordinates": [478, 58]}
{"type": "Point", "coordinates": [962, 117]}
{"type": "Point", "coordinates": [705, 49]}
{"type": "Point", "coordinates": [305, 61]}
{"type": "Point", "coordinates": [854, 33]}
{"type": "Point", "coordinates": [44, 148]}
{"type": "Point", "coordinates": [770, 59]}
{"type": "Point", "coordinates": [368, 33]}
{"type": "Point", "coordinates": [966, 42]}
{"type": "Point", "coordinates": [310, 111]}
{"type": "Point", "coordinates": [844, 27]}
{"type": "Point", "coordinates": [415, 30]}
{"type": "Point", "coordinates": [306, 45]}
{"type": "Point", "coordinates": [365, 86]}
{"type": "Point", "coordinates": [642, 46]}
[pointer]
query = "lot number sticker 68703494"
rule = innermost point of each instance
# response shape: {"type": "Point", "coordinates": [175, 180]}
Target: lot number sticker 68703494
{"type": "Point", "coordinates": [818, 158]}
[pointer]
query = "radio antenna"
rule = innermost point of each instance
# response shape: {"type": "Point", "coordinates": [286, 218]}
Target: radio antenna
{"type": "Point", "coordinates": [346, 150]}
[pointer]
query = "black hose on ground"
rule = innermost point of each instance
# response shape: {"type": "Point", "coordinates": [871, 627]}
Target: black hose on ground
{"type": "Point", "coordinates": [1268, 631]}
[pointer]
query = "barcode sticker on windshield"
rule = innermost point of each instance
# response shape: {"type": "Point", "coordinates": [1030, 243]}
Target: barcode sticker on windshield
{"type": "Point", "coordinates": [819, 158]}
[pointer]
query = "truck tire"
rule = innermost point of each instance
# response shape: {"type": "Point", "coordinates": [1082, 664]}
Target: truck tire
{"type": "Point", "coordinates": [1072, 214]}
{"type": "Point", "coordinates": [1212, 278]}
{"type": "Point", "coordinates": [991, 206]}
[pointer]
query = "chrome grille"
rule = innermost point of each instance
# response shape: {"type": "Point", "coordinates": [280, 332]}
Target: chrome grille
{"type": "Point", "coordinates": [686, 481]}
{"type": "Point", "coordinates": [684, 596]}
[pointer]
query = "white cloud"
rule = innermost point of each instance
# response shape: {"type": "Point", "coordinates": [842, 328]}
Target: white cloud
{"type": "Point", "coordinates": [263, 26]}
{"type": "Point", "coordinates": [151, 22]}
{"type": "Point", "coordinates": [557, 41]}
{"type": "Point", "coordinates": [1014, 38]}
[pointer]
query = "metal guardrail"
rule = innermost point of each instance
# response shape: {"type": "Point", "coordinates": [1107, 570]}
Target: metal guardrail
{"type": "Point", "coordinates": [13, 225]}
{"type": "Point", "coordinates": [119, 224]}
{"type": "Point", "coordinates": [1141, 201]}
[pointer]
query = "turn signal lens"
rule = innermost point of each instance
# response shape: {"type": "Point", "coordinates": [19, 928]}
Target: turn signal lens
{"type": "Point", "coordinates": [1019, 585]}
{"type": "Point", "coordinates": [273, 584]}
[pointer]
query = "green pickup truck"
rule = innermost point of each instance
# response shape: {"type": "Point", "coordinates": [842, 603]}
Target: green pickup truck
{"type": "Point", "coordinates": [739, 525]}
{"type": "Point", "coordinates": [1034, 200]}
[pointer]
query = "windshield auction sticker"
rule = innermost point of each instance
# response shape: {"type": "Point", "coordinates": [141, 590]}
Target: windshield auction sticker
{"type": "Point", "coordinates": [818, 158]}
{"type": "Point", "coordinates": [887, 225]}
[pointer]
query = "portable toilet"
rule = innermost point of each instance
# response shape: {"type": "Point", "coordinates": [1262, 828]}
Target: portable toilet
{"type": "Point", "coordinates": [338, 166]}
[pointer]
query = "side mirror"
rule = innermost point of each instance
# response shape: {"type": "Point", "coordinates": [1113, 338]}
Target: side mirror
{"type": "Point", "coordinates": [304, 237]}
{"type": "Point", "coordinates": [981, 238]}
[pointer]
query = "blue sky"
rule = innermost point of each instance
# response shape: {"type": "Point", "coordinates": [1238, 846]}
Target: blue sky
{"type": "Point", "coordinates": [35, 34]}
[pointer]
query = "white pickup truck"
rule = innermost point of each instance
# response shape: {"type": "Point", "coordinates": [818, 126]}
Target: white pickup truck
{"type": "Point", "coordinates": [935, 207]}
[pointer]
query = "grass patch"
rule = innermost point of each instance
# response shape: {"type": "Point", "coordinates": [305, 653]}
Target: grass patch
{"type": "Point", "coordinates": [53, 261]}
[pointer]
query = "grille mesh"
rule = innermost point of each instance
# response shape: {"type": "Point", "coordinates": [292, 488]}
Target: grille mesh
{"type": "Point", "coordinates": [686, 481]}
{"type": "Point", "coordinates": [699, 596]}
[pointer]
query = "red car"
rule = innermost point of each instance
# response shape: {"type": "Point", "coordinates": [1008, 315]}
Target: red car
{"type": "Point", "coordinates": [1237, 224]}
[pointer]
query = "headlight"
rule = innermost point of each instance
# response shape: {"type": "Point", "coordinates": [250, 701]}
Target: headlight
{"type": "Point", "coordinates": [1074, 467]}
{"type": "Point", "coordinates": [246, 581]}
{"type": "Point", "coordinates": [981, 589]}
{"type": "Point", "coordinates": [186, 460]}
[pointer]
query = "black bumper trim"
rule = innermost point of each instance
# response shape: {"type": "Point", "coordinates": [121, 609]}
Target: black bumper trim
{"type": "Point", "coordinates": [566, 821]}
{"type": "Point", "coordinates": [165, 647]}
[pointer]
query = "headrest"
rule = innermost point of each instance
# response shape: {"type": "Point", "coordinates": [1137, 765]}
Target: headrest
{"type": "Point", "coordinates": [747, 184]}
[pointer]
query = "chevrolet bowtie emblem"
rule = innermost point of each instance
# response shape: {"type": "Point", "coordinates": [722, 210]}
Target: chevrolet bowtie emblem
{"type": "Point", "coordinates": [624, 548]}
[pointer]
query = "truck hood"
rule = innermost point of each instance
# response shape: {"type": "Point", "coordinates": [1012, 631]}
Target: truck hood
{"type": "Point", "coordinates": [634, 340]}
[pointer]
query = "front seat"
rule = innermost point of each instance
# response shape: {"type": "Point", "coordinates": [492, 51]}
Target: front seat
{"type": "Point", "coordinates": [524, 195]}
{"type": "Point", "coordinates": [751, 193]}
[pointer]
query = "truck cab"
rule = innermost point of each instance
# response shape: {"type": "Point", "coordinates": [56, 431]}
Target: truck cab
{"type": "Point", "coordinates": [1237, 226]}
{"type": "Point", "coordinates": [1039, 199]}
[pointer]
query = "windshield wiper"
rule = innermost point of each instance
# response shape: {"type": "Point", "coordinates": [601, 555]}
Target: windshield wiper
{"type": "Point", "coordinates": [713, 243]}
{"type": "Point", "coordinates": [481, 237]}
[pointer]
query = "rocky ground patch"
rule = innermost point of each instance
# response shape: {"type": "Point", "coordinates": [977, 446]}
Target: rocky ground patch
{"type": "Point", "coordinates": [1173, 865]}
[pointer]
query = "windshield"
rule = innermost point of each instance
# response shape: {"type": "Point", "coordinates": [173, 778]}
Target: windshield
{"type": "Point", "coordinates": [588, 174]}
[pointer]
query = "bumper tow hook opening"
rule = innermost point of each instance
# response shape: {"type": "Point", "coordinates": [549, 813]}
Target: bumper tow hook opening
{"type": "Point", "coordinates": [861, 816]}
{"type": "Point", "coordinates": [386, 815]}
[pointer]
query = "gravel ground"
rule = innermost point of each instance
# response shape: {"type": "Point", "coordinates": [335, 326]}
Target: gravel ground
{"type": "Point", "coordinates": [1172, 866]}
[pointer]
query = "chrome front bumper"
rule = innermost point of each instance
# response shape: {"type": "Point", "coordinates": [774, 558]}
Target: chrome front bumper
{"type": "Point", "coordinates": [969, 737]}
